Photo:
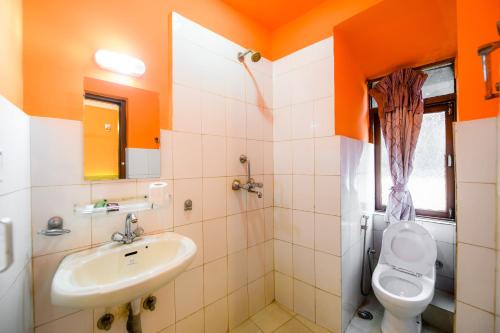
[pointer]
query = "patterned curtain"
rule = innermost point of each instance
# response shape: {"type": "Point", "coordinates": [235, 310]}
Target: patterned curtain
{"type": "Point", "coordinates": [400, 110]}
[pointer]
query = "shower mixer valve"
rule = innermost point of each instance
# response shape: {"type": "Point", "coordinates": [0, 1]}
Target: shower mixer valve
{"type": "Point", "coordinates": [250, 185]}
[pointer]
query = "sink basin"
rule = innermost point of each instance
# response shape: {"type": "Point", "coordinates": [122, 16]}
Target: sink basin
{"type": "Point", "coordinates": [115, 273]}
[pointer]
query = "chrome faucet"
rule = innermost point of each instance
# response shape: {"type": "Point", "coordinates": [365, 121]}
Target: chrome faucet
{"type": "Point", "coordinates": [130, 235]}
{"type": "Point", "coordinates": [250, 186]}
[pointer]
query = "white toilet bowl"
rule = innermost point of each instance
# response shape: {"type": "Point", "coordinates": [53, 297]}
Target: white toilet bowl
{"type": "Point", "coordinates": [404, 278]}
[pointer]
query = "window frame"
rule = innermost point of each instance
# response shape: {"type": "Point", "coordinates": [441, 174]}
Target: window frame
{"type": "Point", "coordinates": [446, 103]}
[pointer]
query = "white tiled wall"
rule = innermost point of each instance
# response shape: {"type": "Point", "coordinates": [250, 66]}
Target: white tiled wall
{"type": "Point", "coordinates": [16, 299]}
{"type": "Point", "coordinates": [477, 253]}
{"type": "Point", "coordinates": [357, 198]}
{"type": "Point", "coordinates": [307, 256]}
{"type": "Point", "coordinates": [220, 112]}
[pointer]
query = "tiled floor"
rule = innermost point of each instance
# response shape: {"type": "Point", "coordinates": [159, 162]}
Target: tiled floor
{"type": "Point", "coordinates": [275, 318]}
{"type": "Point", "coordinates": [358, 325]}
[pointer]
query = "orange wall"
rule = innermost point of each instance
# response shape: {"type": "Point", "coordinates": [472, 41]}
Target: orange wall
{"type": "Point", "coordinates": [11, 34]}
{"type": "Point", "coordinates": [101, 147]}
{"type": "Point", "coordinates": [476, 26]}
{"type": "Point", "coordinates": [60, 38]}
{"type": "Point", "coordinates": [143, 111]}
{"type": "Point", "coordinates": [314, 25]}
{"type": "Point", "coordinates": [385, 37]}
{"type": "Point", "coordinates": [351, 109]}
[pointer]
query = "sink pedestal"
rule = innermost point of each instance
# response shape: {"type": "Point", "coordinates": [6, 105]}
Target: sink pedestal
{"type": "Point", "coordinates": [134, 317]}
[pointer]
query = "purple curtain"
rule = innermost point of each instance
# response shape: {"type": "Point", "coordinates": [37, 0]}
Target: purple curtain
{"type": "Point", "coordinates": [400, 110]}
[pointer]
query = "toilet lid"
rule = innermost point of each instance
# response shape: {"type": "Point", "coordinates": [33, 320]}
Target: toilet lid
{"type": "Point", "coordinates": [409, 246]}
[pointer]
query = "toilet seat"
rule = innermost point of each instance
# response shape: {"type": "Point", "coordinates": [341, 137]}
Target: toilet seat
{"type": "Point", "coordinates": [408, 247]}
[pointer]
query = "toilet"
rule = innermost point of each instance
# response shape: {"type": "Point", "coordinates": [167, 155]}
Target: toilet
{"type": "Point", "coordinates": [404, 278]}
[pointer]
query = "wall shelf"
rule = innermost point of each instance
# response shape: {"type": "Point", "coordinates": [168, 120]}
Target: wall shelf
{"type": "Point", "coordinates": [124, 206]}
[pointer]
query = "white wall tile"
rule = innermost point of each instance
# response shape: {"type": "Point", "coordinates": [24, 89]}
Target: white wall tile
{"type": "Point", "coordinates": [56, 152]}
{"type": "Point", "coordinates": [328, 272]}
{"type": "Point", "coordinates": [195, 232]}
{"type": "Point", "coordinates": [164, 314]}
{"type": "Point", "coordinates": [237, 231]}
{"type": "Point", "coordinates": [304, 300]}
{"type": "Point", "coordinates": [283, 257]}
{"type": "Point", "coordinates": [283, 158]}
{"type": "Point", "coordinates": [236, 200]}
{"type": "Point", "coordinates": [216, 317]}
{"type": "Point", "coordinates": [236, 118]}
{"type": "Point", "coordinates": [471, 319]}
{"type": "Point", "coordinates": [188, 189]}
{"type": "Point", "coordinates": [328, 310]}
{"type": "Point", "coordinates": [268, 158]}
{"type": "Point", "coordinates": [476, 214]}
{"type": "Point", "coordinates": [213, 114]}
{"type": "Point", "coordinates": [255, 118]}
{"type": "Point", "coordinates": [303, 120]}
{"type": "Point", "coordinates": [256, 262]}
{"type": "Point", "coordinates": [186, 115]}
{"type": "Point", "coordinates": [237, 270]}
{"type": "Point", "coordinates": [192, 324]}
{"type": "Point", "coordinates": [283, 224]}
{"type": "Point", "coordinates": [324, 119]}
{"type": "Point", "coordinates": [188, 293]}
{"type": "Point", "coordinates": [256, 296]}
{"type": "Point", "coordinates": [214, 198]}
{"type": "Point", "coordinates": [269, 223]}
{"type": "Point", "coordinates": [15, 147]}
{"type": "Point", "coordinates": [48, 202]}
{"type": "Point", "coordinates": [327, 233]}
{"type": "Point", "coordinates": [303, 192]}
{"type": "Point", "coordinates": [187, 155]}
{"type": "Point", "coordinates": [473, 288]}
{"type": "Point", "coordinates": [469, 135]}
{"type": "Point", "coordinates": [67, 324]}
{"type": "Point", "coordinates": [214, 239]}
{"type": "Point", "coordinates": [269, 287]}
{"type": "Point", "coordinates": [283, 124]}
{"type": "Point", "coordinates": [303, 157]}
{"type": "Point", "coordinates": [238, 307]}
{"type": "Point", "coordinates": [303, 264]}
{"type": "Point", "coordinates": [327, 156]}
{"type": "Point", "coordinates": [255, 154]}
{"type": "Point", "coordinates": [236, 148]}
{"type": "Point", "coordinates": [303, 228]}
{"type": "Point", "coordinates": [214, 156]}
{"type": "Point", "coordinates": [256, 227]}
{"type": "Point", "coordinates": [186, 62]}
{"type": "Point", "coordinates": [283, 191]}
{"type": "Point", "coordinates": [16, 305]}
{"type": "Point", "coordinates": [327, 195]}
{"type": "Point", "coordinates": [215, 280]}
{"type": "Point", "coordinates": [283, 288]}
{"type": "Point", "coordinates": [166, 148]}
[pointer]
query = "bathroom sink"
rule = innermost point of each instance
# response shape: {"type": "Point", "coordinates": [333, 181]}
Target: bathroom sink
{"type": "Point", "coordinates": [115, 273]}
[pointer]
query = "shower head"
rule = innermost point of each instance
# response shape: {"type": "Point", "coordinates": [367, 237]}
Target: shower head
{"type": "Point", "coordinates": [255, 55]}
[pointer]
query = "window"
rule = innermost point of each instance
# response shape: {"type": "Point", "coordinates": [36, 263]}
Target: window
{"type": "Point", "coordinates": [432, 183]}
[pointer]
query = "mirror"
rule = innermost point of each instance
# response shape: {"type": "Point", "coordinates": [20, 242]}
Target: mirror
{"type": "Point", "coordinates": [121, 131]}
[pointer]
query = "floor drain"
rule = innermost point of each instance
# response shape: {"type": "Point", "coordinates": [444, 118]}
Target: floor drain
{"type": "Point", "coordinates": [363, 314]}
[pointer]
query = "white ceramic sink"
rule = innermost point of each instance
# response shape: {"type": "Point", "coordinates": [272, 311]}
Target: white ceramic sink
{"type": "Point", "coordinates": [116, 273]}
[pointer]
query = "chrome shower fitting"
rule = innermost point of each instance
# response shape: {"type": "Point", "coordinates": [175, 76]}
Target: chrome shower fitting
{"type": "Point", "coordinates": [255, 55]}
{"type": "Point", "coordinates": [250, 185]}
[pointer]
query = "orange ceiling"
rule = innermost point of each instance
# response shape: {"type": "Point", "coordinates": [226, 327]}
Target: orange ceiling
{"type": "Point", "coordinates": [273, 13]}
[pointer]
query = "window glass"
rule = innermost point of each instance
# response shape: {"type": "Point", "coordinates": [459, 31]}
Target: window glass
{"type": "Point", "coordinates": [428, 180]}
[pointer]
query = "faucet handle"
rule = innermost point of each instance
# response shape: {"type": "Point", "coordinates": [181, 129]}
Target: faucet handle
{"type": "Point", "coordinates": [138, 232]}
{"type": "Point", "coordinates": [259, 185]}
{"type": "Point", "coordinates": [117, 237]}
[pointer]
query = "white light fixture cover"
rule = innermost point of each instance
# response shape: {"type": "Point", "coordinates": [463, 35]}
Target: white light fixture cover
{"type": "Point", "coordinates": [120, 63]}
